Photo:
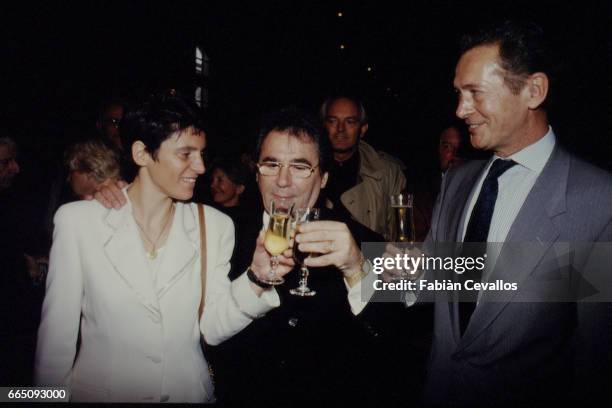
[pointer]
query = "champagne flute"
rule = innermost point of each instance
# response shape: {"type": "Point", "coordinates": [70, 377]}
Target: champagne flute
{"type": "Point", "coordinates": [277, 239]}
{"type": "Point", "coordinates": [302, 216]}
{"type": "Point", "coordinates": [402, 205]}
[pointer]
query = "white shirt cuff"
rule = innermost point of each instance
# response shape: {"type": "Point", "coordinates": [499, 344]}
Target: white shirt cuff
{"type": "Point", "coordinates": [360, 294]}
{"type": "Point", "coordinates": [248, 302]}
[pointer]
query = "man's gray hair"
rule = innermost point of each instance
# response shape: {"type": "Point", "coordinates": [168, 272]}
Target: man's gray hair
{"type": "Point", "coordinates": [363, 117]}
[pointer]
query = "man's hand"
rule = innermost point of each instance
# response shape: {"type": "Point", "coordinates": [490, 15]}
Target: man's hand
{"type": "Point", "coordinates": [391, 251]}
{"type": "Point", "coordinates": [261, 262]}
{"type": "Point", "coordinates": [109, 194]}
{"type": "Point", "coordinates": [334, 242]}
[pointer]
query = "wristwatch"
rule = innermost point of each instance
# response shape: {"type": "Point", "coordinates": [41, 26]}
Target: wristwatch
{"type": "Point", "coordinates": [366, 267]}
{"type": "Point", "coordinates": [253, 278]}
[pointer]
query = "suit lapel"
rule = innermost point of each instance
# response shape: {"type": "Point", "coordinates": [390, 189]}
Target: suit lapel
{"type": "Point", "coordinates": [125, 252]}
{"type": "Point", "coordinates": [182, 248]}
{"type": "Point", "coordinates": [535, 229]}
{"type": "Point", "coordinates": [454, 195]}
{"type": "Point", "coordinates": [459, 188]}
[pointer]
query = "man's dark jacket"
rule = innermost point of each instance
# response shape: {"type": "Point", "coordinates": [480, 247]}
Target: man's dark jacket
{"type": "Point", "coordinates": [308, 349]}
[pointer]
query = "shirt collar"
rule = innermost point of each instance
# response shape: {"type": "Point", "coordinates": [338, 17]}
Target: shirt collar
{"type": "Point", "coordinates": [535, 156]}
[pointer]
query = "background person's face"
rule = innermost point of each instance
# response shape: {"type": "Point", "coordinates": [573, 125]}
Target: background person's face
{"type": "Point", "coordinates": [343, 125]}
{"type": "Point", "coordinates": [110, 124]}
{"type": "Point", "coordinates": [450, 140]}
{"type": "Point", "coordinates": [285, 148]}
{"type": "Point", "coordinates": [82, 183]}
{"type": "Point", "coordinates": [224, 191]}
{"type": "Point", "coordinates": [496, 117]}
{"type": "Point", "coordinates": [8, 167]}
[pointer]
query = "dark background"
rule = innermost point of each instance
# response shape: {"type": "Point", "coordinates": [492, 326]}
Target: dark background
{"type": "Point", "coordinates": [60, 59]}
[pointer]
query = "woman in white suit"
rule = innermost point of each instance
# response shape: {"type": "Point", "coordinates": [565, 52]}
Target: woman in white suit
{"type": "Point", "coordinates": [130, 279]}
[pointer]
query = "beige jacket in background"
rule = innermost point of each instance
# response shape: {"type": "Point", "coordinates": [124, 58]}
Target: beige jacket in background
{"type": "Point", "coordinates": [380, 176]}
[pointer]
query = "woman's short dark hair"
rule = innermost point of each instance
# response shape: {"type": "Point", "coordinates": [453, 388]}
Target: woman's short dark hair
{"type": "Point", "coordinates": [156, 120]}
{"type": "Point", "coordinates": [296, 123]}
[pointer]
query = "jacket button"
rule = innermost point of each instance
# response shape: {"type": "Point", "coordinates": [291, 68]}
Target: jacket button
{"type": "Point", "coordinates": [155, 359]}
{"type": "Point", "coordinates": [369, 329]}
{"type": "Point", "coordinates": [293, 322]}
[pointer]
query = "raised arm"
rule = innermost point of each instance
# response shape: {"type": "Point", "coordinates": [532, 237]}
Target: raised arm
{"type": "Point", "coordinates": [230, 305]}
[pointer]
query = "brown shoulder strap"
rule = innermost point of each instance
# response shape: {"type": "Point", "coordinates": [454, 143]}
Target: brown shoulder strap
{"type": "Point", "coordinates": [202, 255]}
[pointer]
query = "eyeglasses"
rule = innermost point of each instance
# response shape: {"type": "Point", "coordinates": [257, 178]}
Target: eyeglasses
{"type": "Point", "coordinates": [297, 170]}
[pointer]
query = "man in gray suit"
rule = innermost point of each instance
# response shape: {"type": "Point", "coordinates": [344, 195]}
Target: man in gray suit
{"type": "Point", "coordinates": [530, 191]}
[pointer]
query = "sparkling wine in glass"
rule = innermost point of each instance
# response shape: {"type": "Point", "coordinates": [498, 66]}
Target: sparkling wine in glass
{"type": "Point", "coordinates": [404, 231]}
{"type": "Point", "coordinates": [277, 239]}
{"type": "Point", "coordinates": [302, 216]}
{"type": "Point", "coordinates": [402, 205]}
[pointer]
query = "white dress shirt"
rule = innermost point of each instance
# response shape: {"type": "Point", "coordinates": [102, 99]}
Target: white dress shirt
{"type": "Point", "coordinates": [514, 186]}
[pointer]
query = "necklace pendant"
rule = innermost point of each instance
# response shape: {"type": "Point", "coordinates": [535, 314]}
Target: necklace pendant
{"type": "Point", "coordinates": [152, 255]}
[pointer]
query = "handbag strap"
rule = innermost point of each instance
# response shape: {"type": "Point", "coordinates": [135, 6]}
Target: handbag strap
{"type": "Point", "coordinates": [202, 256]}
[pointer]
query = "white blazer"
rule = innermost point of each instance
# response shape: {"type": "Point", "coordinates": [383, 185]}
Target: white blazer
{"type": "Point", "coordinates": [140, 342]}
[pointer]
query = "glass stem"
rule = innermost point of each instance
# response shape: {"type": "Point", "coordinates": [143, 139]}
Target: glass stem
{"type": "Point", "coordinates": [304, 278]}
{"type": "Point", "coordinates": [273, 265]}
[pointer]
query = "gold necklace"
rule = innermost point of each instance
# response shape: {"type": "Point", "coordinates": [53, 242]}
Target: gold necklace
{"type": "Point", "coordinates": [153, 254]}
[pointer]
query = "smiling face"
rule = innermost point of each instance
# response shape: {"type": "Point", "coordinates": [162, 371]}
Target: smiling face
{"type": "Point", "coordinates": [285, 148]}
{"type": "Point", "coordinates": [224, 191]}
{"type": "Point", "coordinates": [178, 164]}
{"type": "Point", "coordinates": [496, 117]}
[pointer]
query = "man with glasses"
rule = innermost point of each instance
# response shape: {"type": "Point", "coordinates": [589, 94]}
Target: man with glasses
{"type": "Point", "coordinates": [304, 350]}
{"type": "Point", "coordinates": [301, 350]}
